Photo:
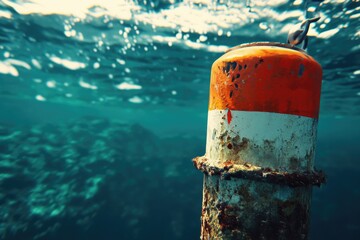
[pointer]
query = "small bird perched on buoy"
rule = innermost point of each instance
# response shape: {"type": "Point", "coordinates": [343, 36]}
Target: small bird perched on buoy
{"type": "Point", "coordinates": [297, 36]}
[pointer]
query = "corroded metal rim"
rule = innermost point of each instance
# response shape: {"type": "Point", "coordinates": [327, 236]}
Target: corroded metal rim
{"type": "Point", "coordinates": [229, 170]}
{"type": "Point", "coordinates": [270, 44]}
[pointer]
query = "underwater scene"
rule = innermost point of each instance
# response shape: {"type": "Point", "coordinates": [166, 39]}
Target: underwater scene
{"type": "Point", "coordinates": [104, 104]}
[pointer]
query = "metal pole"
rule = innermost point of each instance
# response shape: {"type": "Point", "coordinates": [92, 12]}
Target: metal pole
{"type": "Point", "coordinates": [261, 134]}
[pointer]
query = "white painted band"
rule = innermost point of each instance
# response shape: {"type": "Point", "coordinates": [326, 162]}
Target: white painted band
{"type": "Point", "coordinates": [278, 141]}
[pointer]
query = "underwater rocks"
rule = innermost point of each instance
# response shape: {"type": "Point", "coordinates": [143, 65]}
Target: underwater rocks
{"type": "Point", "coordinates": [97, 179]}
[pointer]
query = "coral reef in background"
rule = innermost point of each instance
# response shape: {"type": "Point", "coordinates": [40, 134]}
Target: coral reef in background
{"type": "Point", "coordinates": [93, 179]}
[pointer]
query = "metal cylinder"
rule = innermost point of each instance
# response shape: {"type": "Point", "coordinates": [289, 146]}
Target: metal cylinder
{"type": "Point", "coordinates": [261, 134]}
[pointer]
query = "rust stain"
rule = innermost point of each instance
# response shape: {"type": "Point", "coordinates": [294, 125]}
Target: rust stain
{"type": "Point", "coordinates": [264, 217]}
{"type": "Point", "coordinates": [240, 144]}
{"type": "Point", "coordinates": [228, 217]}
{"type": "Point", "coordinates": [247, 171]}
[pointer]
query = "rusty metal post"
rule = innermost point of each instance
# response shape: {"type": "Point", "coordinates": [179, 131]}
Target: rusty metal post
{"type": "Point", "coordinates": [261, 134]}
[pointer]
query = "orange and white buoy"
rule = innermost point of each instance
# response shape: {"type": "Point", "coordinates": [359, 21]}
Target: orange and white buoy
{"type": "Point", "coordinates": [261, 135]}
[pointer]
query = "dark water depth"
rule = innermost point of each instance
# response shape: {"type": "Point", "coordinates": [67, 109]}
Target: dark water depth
{"type": "Point", "coordinates": [103, 104]}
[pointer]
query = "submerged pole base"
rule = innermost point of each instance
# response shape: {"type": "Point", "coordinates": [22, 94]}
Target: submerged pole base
{"type": "Point", "coordinates": [248, 202]}
{"type": "Point", "coordinates": [248, 209]}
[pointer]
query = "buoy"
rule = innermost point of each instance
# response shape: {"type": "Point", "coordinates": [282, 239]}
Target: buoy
{"type": "Point", "coordinates": [261, 136]}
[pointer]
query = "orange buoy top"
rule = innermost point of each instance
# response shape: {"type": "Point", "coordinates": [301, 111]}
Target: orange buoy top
{"type": "Point", "coordinates": [266, 79]}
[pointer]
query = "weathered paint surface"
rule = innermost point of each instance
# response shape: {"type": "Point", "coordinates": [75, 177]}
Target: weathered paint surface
{"type": "Point", "coordinates": [273, 140]}
{"type": "Point", "coordinates": [245, 209]}
{"type": "Point", "coordinates": [263, 111]}
{"type": "Point", "coordinates": [229, 170]}
{"type": "Point", "coordinates": [266, 79]}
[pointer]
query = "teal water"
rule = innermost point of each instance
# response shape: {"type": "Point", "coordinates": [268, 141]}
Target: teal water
{"type": "Point", "coordinates": [103, 104]}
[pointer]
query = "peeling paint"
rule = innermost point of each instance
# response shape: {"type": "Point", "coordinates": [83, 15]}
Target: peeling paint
{"type": "Point", "coordinates": [258, 166]}
{"type": "Point", "coordinates": [257, 212]}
